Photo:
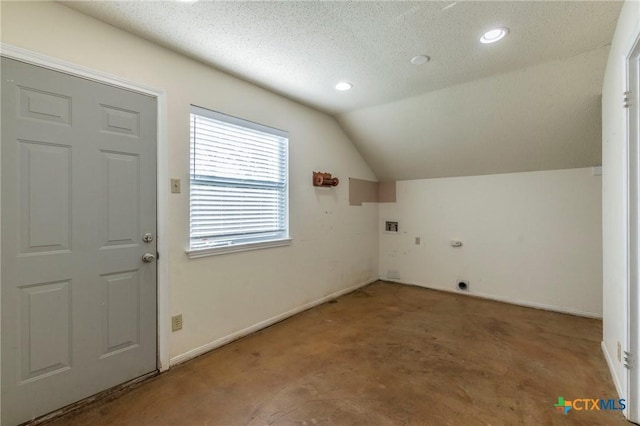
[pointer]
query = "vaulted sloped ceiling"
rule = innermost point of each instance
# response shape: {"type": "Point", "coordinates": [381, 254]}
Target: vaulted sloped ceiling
{"type": "Point", "coordinates": [543, 117]}
{"type": "Point", "coordinates": [528, 102]}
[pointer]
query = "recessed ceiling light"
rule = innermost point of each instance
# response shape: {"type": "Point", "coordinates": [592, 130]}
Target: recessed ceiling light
{"type": "Point", "coordinates": [492, 36]}
{"type": "Point", "coordinates": [420, 59]}
{"type": "Point", "coordinates": [343, 85]}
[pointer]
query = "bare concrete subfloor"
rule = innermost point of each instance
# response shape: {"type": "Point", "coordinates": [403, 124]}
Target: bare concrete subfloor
{"type": "Point", "coordinates": [385, 355]}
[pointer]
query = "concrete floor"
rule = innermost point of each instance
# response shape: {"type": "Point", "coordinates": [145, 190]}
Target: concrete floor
{"type": "Point", "coordinates": [385, 355]}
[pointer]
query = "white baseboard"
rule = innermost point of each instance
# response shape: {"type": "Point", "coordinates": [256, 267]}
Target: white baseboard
{"type": "Point", "coordinates": [262, 324]}
{"type": "Point", "coordinates": [510, 300]}
{"type": "Point", "coordinates": [266, 323]}
{"type": "Point", "coordinates": [612, 370]}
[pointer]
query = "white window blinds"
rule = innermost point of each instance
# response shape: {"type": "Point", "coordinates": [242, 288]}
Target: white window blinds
{"type": "Point", "coordinates": [239, 173]}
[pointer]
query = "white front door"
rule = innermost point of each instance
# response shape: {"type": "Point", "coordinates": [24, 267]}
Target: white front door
{"type": "Point", "coordinates": [78, 197]}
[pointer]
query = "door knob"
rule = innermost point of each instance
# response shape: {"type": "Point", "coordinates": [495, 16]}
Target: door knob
{"type": "Point", "coordinates": [148, 258]}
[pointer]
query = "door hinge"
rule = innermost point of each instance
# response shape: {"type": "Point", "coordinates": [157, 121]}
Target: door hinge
{"type": "Point", "coordinates": [157, 255]}
{"type": "Point", "coordinates": [626, 103]}
{"type": "Point", "coordinates": [629, 362]}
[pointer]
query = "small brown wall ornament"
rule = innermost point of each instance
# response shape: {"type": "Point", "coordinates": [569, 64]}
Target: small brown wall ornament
{"type": "Point", "coordinates": [324, 179]}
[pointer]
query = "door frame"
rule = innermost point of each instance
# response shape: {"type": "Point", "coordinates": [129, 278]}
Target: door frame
{"type": "Point", "coordinates": [632, 223]}
{"type": "Point", "coordinates": [162, 178]}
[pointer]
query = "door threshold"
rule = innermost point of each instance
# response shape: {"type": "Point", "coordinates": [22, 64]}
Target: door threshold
{"type": "Point", "coordinates": [101, 397]}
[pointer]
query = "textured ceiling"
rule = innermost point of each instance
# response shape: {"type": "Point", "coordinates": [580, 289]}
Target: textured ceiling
{"type": "Point", "coordinates": [302, 48]}
{"type": "Point", "coordinates": [540, 118]}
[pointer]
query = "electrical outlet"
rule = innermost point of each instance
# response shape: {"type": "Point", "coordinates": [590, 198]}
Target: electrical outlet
{"type": "Point", "coordinates": [619, 352]}
{"type": "Point", "coordinates": [417, 241]}
{"type": "Point", "coordinates": [175, 186]}
{"type": "Point", "coordinates": [176, 322]}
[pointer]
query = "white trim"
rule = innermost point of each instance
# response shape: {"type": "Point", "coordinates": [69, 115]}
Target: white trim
{"type": "Point", "coordinates": [0, 281]}
{"type": "Point", "coordinates": [263, 324]}
{"type": "Point", "coordinates": [60, 65]}
{"type": "Point", "coordinates": [509, 300]}
{"type": "Point", "coordinates": [237, 121]}
{"type": "Point", "coordinates": [164, 321]}
{"type": "Point", "coordinates": [631, 200]}
{"type": "Point", "coordinates": [612, 369]}
{"type": "Point", "coordinates": [214, 251]}
{"type": "Point", "coordinates": [56, 64]}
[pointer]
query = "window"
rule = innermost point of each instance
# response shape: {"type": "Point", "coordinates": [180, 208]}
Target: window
{"type": "Point", "coordinates": [239, 184]}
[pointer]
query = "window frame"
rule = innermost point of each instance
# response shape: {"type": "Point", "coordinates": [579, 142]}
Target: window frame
{"type": "Point", "coordinates": [197, 252]}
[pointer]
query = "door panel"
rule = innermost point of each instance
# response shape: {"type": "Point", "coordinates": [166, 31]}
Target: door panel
{"type": "Point", "coordinates": [120, 185]}
{"type": "Point", "coordinates": [45, 197]}
{"type": "Point", "coordinates": [45, 325]}
{"type": "Point", "coordinates": [78, 194]}
{"type": "Point", "coordinates": [120, 308]}
{"type": "Point", "coordinates": [120, 121]}
{"type": "Point", "coordinates": [46, 106]}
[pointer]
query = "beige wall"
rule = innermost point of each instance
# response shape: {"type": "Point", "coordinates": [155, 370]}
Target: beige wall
{"type": "Point", "coordinates": [613, 187]}
{"type": "Point", "coordinates": [334, 245]}
{"type": "Point", "coordinates": [530, 238]}
{"type": "Point", "coordinates": [513, 226]}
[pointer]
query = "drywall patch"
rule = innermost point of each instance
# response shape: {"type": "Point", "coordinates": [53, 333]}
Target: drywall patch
{"type": "Point", "coordinates": [386, 192]}
{"type": "Point", "coordinates": [366, 191]}
{"type": "Point", "coordinates": [362, 191]}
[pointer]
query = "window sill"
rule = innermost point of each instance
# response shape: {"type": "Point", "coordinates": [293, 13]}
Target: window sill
{"type": "Point", "coordinates": [214, 251]}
